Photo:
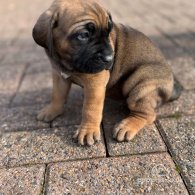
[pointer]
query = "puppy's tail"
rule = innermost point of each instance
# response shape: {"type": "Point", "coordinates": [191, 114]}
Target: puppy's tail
{"type": "Point", "coordinates": [177, 90]}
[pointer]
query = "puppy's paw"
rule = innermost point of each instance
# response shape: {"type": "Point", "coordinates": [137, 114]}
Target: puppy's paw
{"type": "Point", "coordinates": [87, 134]}
{"type": "Point", "coordinates": [124, 132]}
{"type": "Point", "coordinates": [49, 113]}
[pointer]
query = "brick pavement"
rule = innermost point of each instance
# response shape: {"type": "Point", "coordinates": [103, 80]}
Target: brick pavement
{"type": "Point", "coordinates": [39, 158]}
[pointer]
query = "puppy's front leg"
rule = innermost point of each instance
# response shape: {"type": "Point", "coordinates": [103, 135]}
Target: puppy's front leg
{"type": "Point", "coordinates": [94, 95]}
{"type": "Point", "coordinates": [60, 92]}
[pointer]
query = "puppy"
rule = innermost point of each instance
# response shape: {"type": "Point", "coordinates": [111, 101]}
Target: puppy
{"type": "Point", "coordinates": [86, 47]}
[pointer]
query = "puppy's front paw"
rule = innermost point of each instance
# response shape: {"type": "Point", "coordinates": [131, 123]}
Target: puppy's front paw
{"type": "Point", "coordinates": [88, 134]}
{"type": "Point", "coordinates": [124, 132]}
{"type": "Point", "coordinates": [49, 113]}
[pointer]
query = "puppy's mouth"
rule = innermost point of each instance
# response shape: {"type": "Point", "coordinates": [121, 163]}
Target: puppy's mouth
{"type": "Point", "coordinates": [94, 64]}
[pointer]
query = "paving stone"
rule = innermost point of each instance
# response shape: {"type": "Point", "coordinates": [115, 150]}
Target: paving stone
{"type": "Point", "coordinates": [21, 48]}
{"type": "Point", "coordinates": [167, 47]}
{"type": "Point", "coordinates": [148, 140]}
{"type": "Point", "coordinates": [20, 119]}
{"type": "Point", "coordinates": [35, 89]}
{"type": "Point", "coordinates": [5, 98]}
{"type": "Point", "coordinates": [10, 78]}
{"type": "Point", "coordinates": [22, 180]}
{"type": "Point", "coordinates": [184, 105]}
{"type": "Point", "coordinates": [36, 81]}
{"type": "Point", "coordinates": [180, 137]}
{"type": "Point", "coordinates": [177, 32]}
{"type": "Point", "coordinates": [184, 69]}
{"type": "Point", "coordinates": [41, 66]}
{"type": "Point", "coordinates": [145, 174]}
{"type": "Point", "coordinates": [28, 53]}
{"type": "Point", "coordinates": [44, 146]}
{"type": "Point", "coordinates": [26, 98]}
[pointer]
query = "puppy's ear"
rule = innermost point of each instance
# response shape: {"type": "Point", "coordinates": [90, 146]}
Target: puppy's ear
{"type": "Point", "coordinates": [43, 29]}
{"type": "Point", "coordinates": [110, 22]}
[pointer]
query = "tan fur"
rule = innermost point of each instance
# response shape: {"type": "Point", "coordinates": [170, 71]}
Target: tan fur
{"type": "Point", "coordinates": [60, 91]}
{"type": "Point", "coordinates": [140, 73]}
{"type": "Point", "coordinates": [94, 90]}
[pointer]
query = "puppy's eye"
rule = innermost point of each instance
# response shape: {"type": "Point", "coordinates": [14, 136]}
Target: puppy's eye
{"type": "Point", "coordinates": [90, 27]}
{"type": "Point", "coordinates": [83, 36]}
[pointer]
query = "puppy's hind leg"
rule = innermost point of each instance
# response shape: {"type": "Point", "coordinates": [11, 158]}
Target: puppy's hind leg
{"type": "Point", "coordinates": [149, 87]}
{"type": "Point", "coordinates": [60, 92]}
{"type": "Point", "coordinates": [142, 113]}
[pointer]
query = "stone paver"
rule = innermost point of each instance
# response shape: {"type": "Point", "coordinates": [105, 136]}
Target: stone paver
{"type": "Point", "coordinates": [27, 52]}
{"type": "Point", "coordinates": [22, 180]}
{"type": "Point", "coordinates": [20, 119]}
{"type": "Point", "coordinates": [146, 174]}
{"type": "Point", "coordinates": [16, 31]}
{"type": "Point", "coordinates": [44, 146]}
{"type": "Point", "coordinates": [30, 54]}
{"type": "Point", "coordinates": [35, 89]}
{"type": "Point", "coordinates": [10, 79]}
{"type": "Point", "coordinates": [184, 105]}
{"type": "Point", "coordinates": [43, 66]}
{"type": "Point", "coordinates": [184, 69]}
{"type": "Point", "coordinates": [5, 98]}
{"type": "Point", "coordinates": [148, 140]}
{"type": "Point", "coordinates": [179, 134]}
{"type": "Point", "coordinates": [36, 86]}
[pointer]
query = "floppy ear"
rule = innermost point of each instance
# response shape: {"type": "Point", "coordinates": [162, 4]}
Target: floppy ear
{"type": "Point", "coordinates": [43, 29]}
{"type": "Point", "coordinates": [110, 22]}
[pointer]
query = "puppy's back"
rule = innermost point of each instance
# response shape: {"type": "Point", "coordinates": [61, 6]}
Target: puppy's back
{"type": "Point", "coordinates": [133, 49]}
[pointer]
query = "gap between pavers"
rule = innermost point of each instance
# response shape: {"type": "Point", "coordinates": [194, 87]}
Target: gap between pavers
{"type": "Point", "coordinates": [10, 78]}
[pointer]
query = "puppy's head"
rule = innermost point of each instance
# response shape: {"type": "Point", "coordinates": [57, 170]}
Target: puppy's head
{"type": "Point", "coordinates": [76, 35]}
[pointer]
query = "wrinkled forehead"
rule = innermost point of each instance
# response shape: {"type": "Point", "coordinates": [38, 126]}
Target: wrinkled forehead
{"type": "Point", "coordinates": [74, 15]}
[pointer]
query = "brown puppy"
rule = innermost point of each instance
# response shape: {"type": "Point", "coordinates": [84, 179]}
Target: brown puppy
{"type": "Point", "coordinates": [85, 47]}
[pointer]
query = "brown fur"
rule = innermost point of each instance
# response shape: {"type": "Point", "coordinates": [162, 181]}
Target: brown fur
{"type": "Point", "coordinates": [140, 73]}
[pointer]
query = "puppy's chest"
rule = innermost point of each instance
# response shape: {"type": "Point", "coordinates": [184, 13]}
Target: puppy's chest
{"type": "Point", "coordinates": [72, 77]}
